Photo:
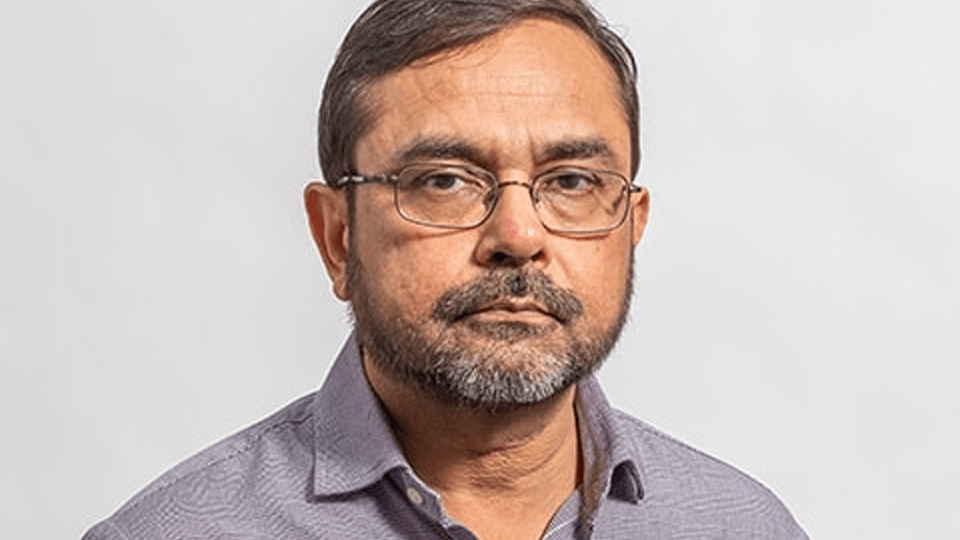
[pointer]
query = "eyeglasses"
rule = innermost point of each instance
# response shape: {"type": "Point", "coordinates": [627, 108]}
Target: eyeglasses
{"type": "Point", "coordinates": [568, 200]}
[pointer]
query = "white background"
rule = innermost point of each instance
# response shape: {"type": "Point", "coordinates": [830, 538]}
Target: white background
{"type": "Point", "coordinates": [797, 297]}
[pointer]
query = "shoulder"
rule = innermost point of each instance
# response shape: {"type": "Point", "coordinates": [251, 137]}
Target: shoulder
{"type": "Point", "coordinates": [263, 464]}
{"type": "Point", "coordinates": [667, 462]}
{"type": "Point", "coordinates": [698, 490]}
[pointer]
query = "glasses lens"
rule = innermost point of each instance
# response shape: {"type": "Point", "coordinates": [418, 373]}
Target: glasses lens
{"type": "Point", "coordinates": [567, 200]}
{"type": "Point", "coordinates": [445, 196]}
{"type": "Point", "coordinates": [579, 200]}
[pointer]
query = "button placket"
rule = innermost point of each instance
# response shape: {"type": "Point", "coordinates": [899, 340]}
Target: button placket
{"type": "Point", "coordinates": [426, 502]}
{"type": "Point", "coordinates": [415, 496]}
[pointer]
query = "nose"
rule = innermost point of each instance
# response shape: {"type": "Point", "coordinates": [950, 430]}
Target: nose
{"type": "Point", "coordinates": [513, 234]}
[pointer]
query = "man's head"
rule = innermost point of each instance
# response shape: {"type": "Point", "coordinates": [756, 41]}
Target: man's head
{"type": "Point", "coordinates": [515, 308]}
{"type": "Point", "coordinates": [393, 34]}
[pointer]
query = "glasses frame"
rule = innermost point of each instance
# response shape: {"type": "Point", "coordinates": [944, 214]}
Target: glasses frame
{"type": "Point", "coordinates": [393, 179]}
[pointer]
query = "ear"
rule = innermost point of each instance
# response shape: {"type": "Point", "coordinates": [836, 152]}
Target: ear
{"type": "Point", "coordinates": [640, 209]}
{"type": "Point", "coordinates": [329, 223]}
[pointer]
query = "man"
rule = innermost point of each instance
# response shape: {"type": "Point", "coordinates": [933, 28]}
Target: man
{"type": "Point", "coordinates": [479, 218]}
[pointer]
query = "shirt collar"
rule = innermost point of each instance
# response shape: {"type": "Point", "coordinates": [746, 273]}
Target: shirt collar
{"type": "Point", "coordinates": [353, 442]}
{"type": "Point", "coordinates": [354, 445]}
{"type": "Point", "coordinates": [611, 465]}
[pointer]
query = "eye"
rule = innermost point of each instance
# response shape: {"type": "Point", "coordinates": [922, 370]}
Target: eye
{"type": "Point", "coordinates": [570, 182]}
{"type": "Point", "coordinates": [440, 181]}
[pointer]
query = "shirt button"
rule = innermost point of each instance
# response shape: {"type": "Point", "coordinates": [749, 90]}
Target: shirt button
{"type": "Point", "coordinates": [414, 495]}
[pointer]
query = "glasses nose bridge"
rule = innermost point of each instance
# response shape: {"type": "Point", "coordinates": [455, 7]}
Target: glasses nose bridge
{"type": "Point", "coordinates": [498, 191]}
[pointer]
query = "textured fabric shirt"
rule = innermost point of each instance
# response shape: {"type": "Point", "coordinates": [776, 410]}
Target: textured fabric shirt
{"type": "Point", "coordinates": [328, 467]}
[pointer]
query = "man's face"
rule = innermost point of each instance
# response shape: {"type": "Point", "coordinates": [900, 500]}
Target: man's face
{"type": "Point", "coordinates": [506, 313]}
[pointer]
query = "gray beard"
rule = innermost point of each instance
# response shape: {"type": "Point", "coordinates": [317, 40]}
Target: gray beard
{"type": "Point", "coordinates": [512, 369]}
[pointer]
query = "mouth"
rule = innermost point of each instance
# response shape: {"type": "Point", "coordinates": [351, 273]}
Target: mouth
{"type": "Point", "coordinates": [525, 298]}
{"type": "Point", "coordinates": [515, 310]}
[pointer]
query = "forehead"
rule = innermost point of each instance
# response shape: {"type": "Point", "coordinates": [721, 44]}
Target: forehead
{"type": "Point", "coordinates": [534, 85]}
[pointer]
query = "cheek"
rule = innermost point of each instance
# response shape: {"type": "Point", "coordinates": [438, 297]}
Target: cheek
{"type": "Point", "coordinates": [416, 279]}
{"type": "Point", "coordinates": [405, 271]}
{"type": "Point", "coordinates": [600, 277]}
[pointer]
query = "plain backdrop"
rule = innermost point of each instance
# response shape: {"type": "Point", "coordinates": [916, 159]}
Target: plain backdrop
{"type": "Point", "coordinates": [797, 294]}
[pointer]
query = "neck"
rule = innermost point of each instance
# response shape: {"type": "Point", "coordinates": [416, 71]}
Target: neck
{"type": "Point", "coordinates": [514, 467]}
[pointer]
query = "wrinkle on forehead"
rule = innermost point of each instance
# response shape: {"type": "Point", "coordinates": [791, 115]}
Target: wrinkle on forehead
{"type": "Point", "coordinates": [525, 66]}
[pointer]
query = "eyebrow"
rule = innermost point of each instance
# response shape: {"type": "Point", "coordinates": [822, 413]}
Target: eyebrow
{"type": "Point", "coordinates": [445, 147]}
{"type": "Point", "coordinates": [576, 148]}
{"type": "Point", "coordinates": [439, 148]}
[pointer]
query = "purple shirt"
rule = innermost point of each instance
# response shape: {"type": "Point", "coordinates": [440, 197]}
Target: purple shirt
{"type": "Point", "coordinates": [328, 467]}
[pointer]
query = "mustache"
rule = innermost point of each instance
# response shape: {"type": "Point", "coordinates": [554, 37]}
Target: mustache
{"type": "Point", "coordinates": [498, 285]}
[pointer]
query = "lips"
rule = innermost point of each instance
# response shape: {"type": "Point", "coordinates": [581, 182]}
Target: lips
{"type": "Point", "coordinates": [513, 306]}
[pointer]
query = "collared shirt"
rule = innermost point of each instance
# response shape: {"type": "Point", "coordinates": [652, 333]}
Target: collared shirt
{"type": "Point", "coordinates": [328, 467]}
